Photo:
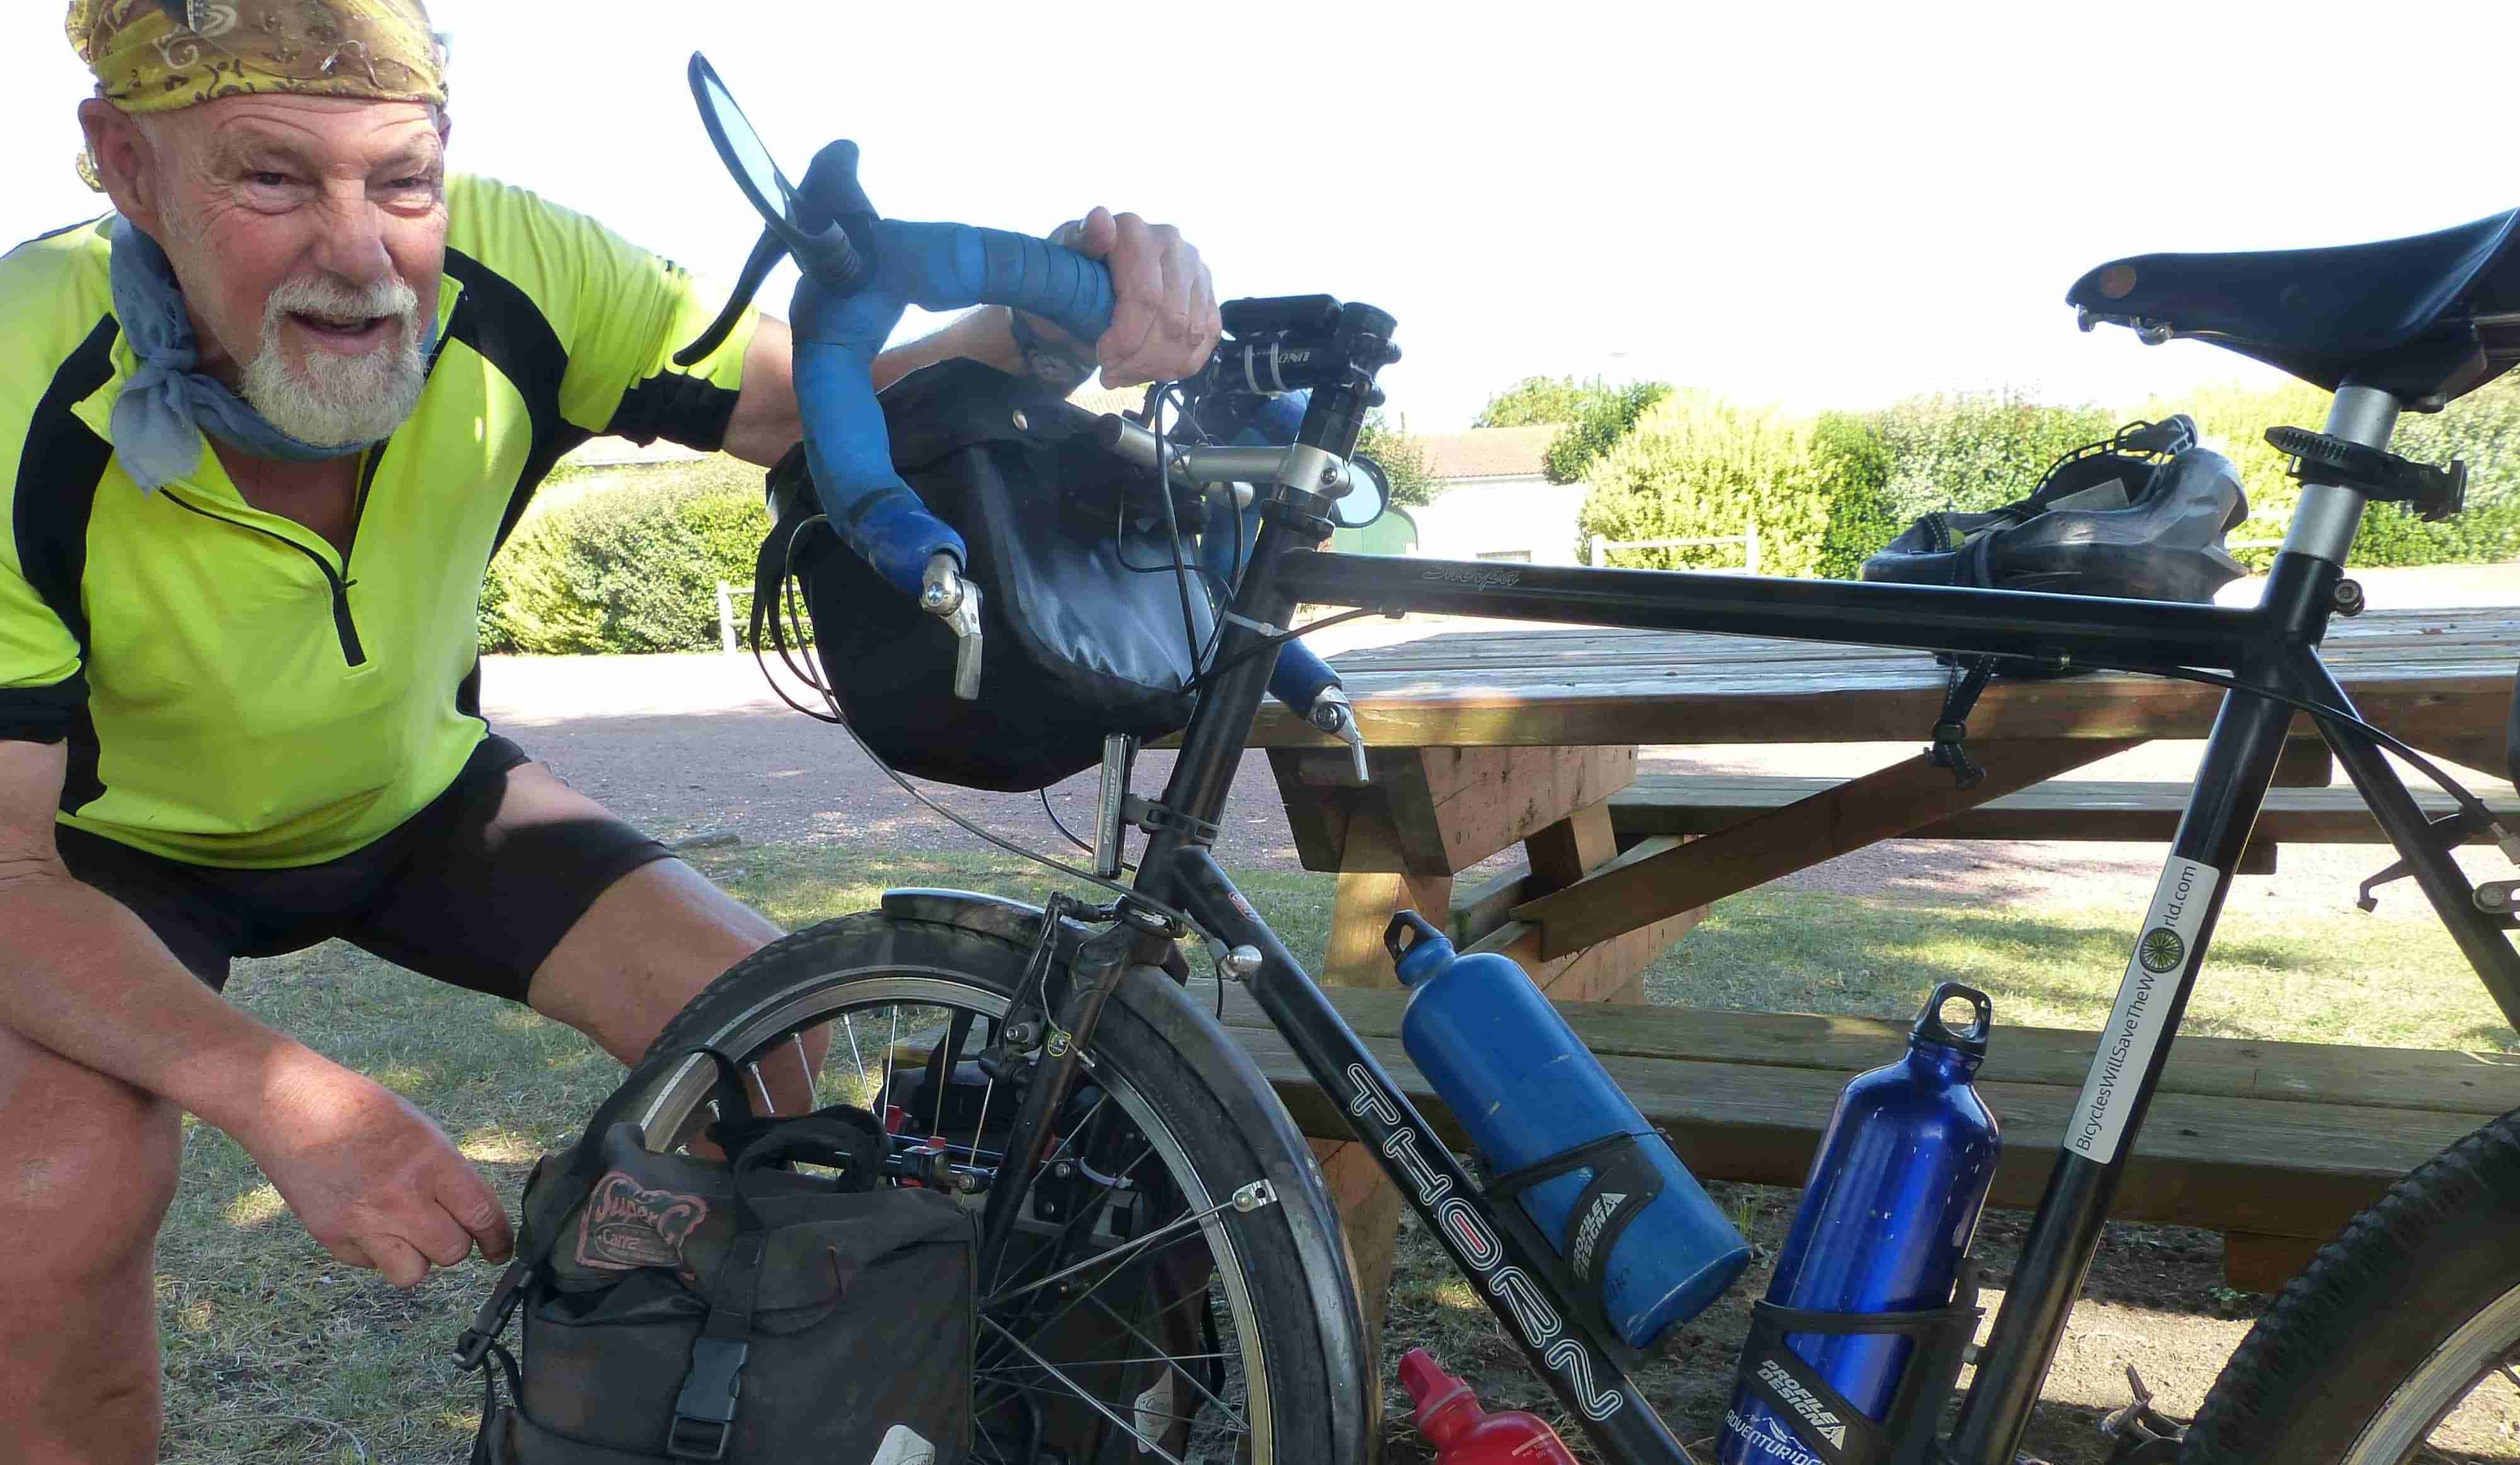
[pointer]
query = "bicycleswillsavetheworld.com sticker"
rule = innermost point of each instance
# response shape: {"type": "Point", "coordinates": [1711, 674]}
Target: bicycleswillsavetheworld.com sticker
{"type": "Point", "coordinates": [2144, 1000]}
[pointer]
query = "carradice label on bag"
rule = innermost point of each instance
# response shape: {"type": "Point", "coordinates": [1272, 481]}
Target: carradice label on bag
{"type": "Point", "coordinates": [2142, 1012]}
{"type": "Point", "coordinates": [628, 1227]}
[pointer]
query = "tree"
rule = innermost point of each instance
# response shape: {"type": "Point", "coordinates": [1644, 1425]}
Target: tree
{"type": "Point", "coordinates": [1604, 418]}
{"type": "Point", "coordinates": [1403, 459]}
{"type": "Point", "coordinates": [1538, 401]}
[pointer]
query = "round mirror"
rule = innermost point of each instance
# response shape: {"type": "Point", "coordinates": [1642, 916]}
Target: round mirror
{"type": "Point", "coordinates": [1369, 494]}
{"type": "Point", "coordinates": [741, 148]}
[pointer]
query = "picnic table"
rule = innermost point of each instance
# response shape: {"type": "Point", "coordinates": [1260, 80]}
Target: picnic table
{"type": "Point", "coordinates": [1484, 739]}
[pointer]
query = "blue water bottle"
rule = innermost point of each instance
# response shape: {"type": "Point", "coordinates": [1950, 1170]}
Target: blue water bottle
{"type": "Point", "coordinates": [1885, 1220]}
{"type": "Point", "coordinates": [1561, 1138]}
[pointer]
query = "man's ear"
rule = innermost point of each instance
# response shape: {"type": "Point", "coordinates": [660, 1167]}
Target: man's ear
{"type": "Point", "coordinates": [126, 165]}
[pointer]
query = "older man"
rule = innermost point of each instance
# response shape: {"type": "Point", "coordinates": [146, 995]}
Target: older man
{"type": "Point", "coordinates": [261, 429]}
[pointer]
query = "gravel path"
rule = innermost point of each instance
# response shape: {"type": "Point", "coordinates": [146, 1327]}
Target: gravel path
{"type": "Point", "coordinates": [692, 744]}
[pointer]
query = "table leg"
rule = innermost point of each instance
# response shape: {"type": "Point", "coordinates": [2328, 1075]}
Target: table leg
{"type": "Point", "coordinates": [1370, 893]}
{"type": "Point", "coordinates": [1560, 856]}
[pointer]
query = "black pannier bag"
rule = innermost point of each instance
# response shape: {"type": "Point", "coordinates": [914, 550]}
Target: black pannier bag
{"type": "Point", "coordinates": [683, 1309]}
{"type": "Point", "coordinates": [2142, 516]}
{"type": "Point", "coordinates": [1077, 644]}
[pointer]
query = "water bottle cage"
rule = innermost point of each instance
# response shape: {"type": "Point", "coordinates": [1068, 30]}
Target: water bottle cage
{"type": "Point", "coordinates": [1823, 1420]}
{"type": "Point", "coordinates": [1620, 1169]}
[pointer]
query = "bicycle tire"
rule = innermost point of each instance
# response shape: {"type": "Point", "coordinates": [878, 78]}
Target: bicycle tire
{"type": "Point", "coordinates": [1149, 1040]}
{"type": "Point", "coordinates": [2355, 1363]}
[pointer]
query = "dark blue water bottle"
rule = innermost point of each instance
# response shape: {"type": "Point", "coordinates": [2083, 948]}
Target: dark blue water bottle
{"type": "Point", "coordinates": [1886, 1216]}
{"type": "Point", "coordinates": [1562, 1139]}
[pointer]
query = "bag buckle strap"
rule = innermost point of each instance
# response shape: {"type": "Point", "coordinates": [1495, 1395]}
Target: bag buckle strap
{"type": "Point", "coordinates": [704, 1411]}
{"type": "Point", "coordinates": [1970, 676]}
{"type": "Point", "coordinates": [473, 1346]}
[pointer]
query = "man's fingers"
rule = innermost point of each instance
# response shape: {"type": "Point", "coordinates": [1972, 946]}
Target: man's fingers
{"type": "Point", "coordinates": [401, 1262]}
{"type": "Point", "coordinates": [1137, 293]}
{"type": "Point", "coordinates": [476, 1207]}
{"type": "Point", "coordinates": [437, 1237]}
{"type": "Point", "coordinates": [1205, 312]}
{"type": "Point", "coordinates": [349, 1252]}
{"type": "Point", "coordinates": [1094, 233]}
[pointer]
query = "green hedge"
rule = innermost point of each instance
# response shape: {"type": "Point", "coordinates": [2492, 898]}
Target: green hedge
{"type": "Point", "coordinates": [1697, 467]}
{"type": "Point", "coordinates": [1830, 491]}
{"type": "Point", "coordinates": [633, 567]}
{"type": "Point", "coordinates": [2482, 428]}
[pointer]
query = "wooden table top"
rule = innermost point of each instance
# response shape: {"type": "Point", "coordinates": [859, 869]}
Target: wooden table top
{"type": "Point", "coordinates": [2418, 674]}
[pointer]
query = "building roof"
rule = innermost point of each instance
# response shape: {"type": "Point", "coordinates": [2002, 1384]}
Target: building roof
{"type": "Point", "coordinates": [1487, 452]}
{"type": "Point", "coordinates": [620, 451]}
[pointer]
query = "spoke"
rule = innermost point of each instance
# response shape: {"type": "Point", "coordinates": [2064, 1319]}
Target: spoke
{"type": "Point", "coordinates": [1190, 1419]}
{"type": "Point", "coordinates": [849, 1025]}
{"type": "Point", "coordinates": [1082, 1126]}
{"type": "Point", "coordinates": [1114, 1362]}
{"type": "Point", "coordinates": [761, 1085]}
{"type": "Point", "coordinates": [1085, 1211]}
{"type": "Point", "coordinates": [982, 1128]}
{"type": "Point", "coordinates": [1174, 1363]}
{"type": "Point", "coordinates": [1168, 1309]}
{"type": "Point", "coordinates": [2505, 1367]}
{"type": "Point", "coordinates": [958, 1030]}
{"type": "Point", "coordinates": [884, 1088]}
{"type": "Point", "coordinates": [1113, 1255]}
{"type": "Point", "coordinates": [804, 1068]}
{"type": "Point", "coordinates": [1145, 1445]}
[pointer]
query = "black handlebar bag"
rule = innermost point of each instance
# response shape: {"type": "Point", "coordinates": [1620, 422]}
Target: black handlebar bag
{"type": "Point", "coordinates": [682, 1308]}
{"type": "Point", "coordinates": [1078, 645]}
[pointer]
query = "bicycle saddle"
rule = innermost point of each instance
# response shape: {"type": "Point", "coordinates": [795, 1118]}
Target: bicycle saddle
{"type": "Point", "coordinates": [2428, 318]}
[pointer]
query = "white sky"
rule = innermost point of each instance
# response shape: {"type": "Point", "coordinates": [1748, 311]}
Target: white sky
{"type": "Point", "coordinates": [1820, 204]}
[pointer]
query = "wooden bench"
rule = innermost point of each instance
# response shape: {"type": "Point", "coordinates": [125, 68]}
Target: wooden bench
{"type": "Point", "coordinates": [1682, 805]}
{"type": "Point", "coordinates": [2274, 1145]}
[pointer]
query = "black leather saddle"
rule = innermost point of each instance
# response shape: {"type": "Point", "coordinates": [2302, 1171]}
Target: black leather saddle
{"type": "Point", "coordinates": [2427, 319]}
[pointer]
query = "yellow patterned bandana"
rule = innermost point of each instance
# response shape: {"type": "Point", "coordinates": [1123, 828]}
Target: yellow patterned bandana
{"type": "Point", "coordinates": [161, 55]}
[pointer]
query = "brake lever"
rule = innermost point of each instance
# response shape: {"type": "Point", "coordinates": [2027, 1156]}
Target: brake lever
{"type": "Point", "coordinates": [946, 594]}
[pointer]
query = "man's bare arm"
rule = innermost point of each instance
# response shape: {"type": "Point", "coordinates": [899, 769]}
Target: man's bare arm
{"type": "Point", "coordinates": [766, 423]}
{"type": "Point", "coordinates": [84, 977]}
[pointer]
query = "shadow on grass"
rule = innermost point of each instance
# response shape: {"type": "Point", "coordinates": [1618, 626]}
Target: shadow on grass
{"type": "Point", "coordinates": [2317, 979]}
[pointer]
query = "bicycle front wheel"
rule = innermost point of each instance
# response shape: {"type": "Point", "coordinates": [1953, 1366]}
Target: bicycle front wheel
{"type": "Point", "coordinates": [2401, 1340]}
{"type": "Point", "coordinates": [1164, 1297]}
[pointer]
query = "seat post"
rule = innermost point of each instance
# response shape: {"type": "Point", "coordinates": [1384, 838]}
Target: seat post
{"type": "Point", "coordinates": [2325, 518]}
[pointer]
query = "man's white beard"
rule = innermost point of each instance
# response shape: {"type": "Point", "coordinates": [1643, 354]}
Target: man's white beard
{"type": "Point", "coordinates": [335, 400]}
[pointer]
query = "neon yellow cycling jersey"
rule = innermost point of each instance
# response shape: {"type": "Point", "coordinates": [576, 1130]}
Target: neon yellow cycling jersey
{"type": "Point", "coordinates": [233, 690]}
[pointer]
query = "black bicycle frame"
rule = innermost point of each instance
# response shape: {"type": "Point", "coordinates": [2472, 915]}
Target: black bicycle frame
{"type": "Point", "coordinates": [2271, 646]}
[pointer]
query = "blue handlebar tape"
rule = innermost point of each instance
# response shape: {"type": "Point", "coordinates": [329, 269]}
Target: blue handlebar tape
{"type": "Point", "coordinates": [951, 266]}
{"type": "Point", "coordinates": [852, 454]}
{"type": "Point", "coordinates": [938, 267]}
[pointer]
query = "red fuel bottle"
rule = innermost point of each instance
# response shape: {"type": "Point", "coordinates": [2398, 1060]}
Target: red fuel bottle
{"type": "Point", "coordinates": [1463, 1433]}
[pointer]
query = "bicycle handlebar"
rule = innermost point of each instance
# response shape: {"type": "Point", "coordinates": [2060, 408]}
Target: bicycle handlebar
{"type": "Point", "coordinates": [860, 271]}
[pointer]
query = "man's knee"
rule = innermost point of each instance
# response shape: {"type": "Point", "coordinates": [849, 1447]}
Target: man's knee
{"type": "Point", "coordinates": [93, 1166]}
{"type": "Point", "coordinates": [646, 946]}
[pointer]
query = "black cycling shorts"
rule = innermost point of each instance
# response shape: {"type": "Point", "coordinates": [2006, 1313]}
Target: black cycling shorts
{"type": "Point", "coordinates": [476, 889]}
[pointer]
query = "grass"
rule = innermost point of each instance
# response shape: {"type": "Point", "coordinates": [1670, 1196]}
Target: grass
{"type": "Point", "coordinates": [276, 1352]}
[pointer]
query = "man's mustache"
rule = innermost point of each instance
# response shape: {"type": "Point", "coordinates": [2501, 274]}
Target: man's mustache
{"type": "Point", "coordinates": [337, 300]}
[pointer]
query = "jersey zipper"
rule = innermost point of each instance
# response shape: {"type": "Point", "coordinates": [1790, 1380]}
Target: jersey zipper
{"type": "Point", "coordinates": [352, 652]}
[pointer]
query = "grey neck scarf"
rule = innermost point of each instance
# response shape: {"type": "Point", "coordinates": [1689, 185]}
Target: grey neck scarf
{"type": "Point", "coordinates": [166, 405]}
